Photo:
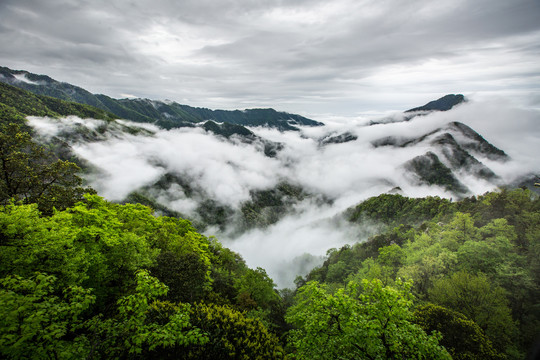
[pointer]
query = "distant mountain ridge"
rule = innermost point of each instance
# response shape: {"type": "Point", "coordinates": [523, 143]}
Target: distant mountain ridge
{"type": "Point", "coordinates": [161, 113]}
{"type": "Point", "coordinates": [443, 104]}
{"type": "Point", "coordinates": [451, 155]}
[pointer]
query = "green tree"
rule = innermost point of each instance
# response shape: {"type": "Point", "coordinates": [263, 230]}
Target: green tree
{"type": "Point", "coordinates": [336, 272]}
{"type": "Point", "coordinates": [368, 321]}
{"type": "Point", "coordinates": [232, 335]}
{"type": "Point", "coordinates": [184, 274]}
{"type": "Point", "coordinates": [391, 255]}
{"type": "Point", "coordinates": [462, 337]}
{"type": "Point", "coordinates": [112, 252]}
{"type": "Point", "coordinates": [256, 289]}
{"type": "Point", "coordinates": [479, 300]}
{"type": "Point", "coordinates": [371, 269]}
{"type": "Point", "coordinates": [36, 323]}
{"type": "Point", "coordinates": [427, 259]}
{"type": "Point", "coordinates": [461, 229]}
{"type": "Point", "coordinates": [31, 243]}
{"type": "Point", "coordinates": [133, 329]}
{"type": "Point", "coordinates": [30, 175]}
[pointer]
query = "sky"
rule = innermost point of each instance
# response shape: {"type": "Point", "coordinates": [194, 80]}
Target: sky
{"type": "Point", "coordinates": [316, 58]}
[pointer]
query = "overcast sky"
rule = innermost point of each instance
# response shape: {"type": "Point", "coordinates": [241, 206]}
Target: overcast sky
{"type": "Point", "coordinates": [316, 58]}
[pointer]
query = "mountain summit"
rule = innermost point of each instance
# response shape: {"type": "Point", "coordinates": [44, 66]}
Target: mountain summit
{"type": "Point", "coordinates": [443, 104]}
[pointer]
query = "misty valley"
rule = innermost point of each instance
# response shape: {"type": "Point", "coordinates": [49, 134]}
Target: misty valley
{"type": "Point", "coordinates": [135, 228]}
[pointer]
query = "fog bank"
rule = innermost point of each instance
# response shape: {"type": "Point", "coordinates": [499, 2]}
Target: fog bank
{"type": "Point", "coordinates": [344, 174]}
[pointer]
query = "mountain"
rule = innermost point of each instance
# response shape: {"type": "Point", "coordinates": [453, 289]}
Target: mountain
{"type": "Point", "coordinates": [244, 135]}
{"type": "Point", "coordinates": [338, 139]}
{"type": "Point", "coordinates": [164, 114]}
{"type": "Point", "coordinates": [429, 170]}
{"type": "Point", "coordinates": [455, 150]}
{"type": "Point", "coordinates": [445, 103]}
{"type": "Point", "coordinates": [281, 200]}
{"type": "Point", "coordinates": [449, 157]}
{"type": "Point", "coordinates": [25, 103]}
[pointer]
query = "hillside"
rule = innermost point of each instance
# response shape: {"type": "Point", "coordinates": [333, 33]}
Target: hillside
{"type": "Point", "coordinates": [162, 113]}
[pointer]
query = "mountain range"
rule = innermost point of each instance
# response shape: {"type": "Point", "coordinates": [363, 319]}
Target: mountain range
{"type": "Point", "coordinates": [452, 153]}
{"type": "Point", "coordinates": [166, 114]}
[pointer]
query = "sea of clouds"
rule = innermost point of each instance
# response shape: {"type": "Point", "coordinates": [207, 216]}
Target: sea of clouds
{"type": "Point", "coordinates": [227, 170]}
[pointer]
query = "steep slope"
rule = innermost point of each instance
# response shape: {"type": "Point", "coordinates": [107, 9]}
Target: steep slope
{"type": "Point", "coordinates": [244, 135]}
{"type": "Point", "coordinates": [338, 139]}
{"type": "Point", "coordinates": [474, 142]}
{"type": "Point", "coordinates": [29, 104]}
{"type": "Point", "coordinates": [456, 150]}
{"type": "Point", "coordinates": [429, 170]}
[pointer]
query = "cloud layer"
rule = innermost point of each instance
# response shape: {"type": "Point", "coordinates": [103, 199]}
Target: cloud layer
{"type": "Point", "coordinates": [312, 57]}
{"type": "Point", "coordinates": [226, 171]}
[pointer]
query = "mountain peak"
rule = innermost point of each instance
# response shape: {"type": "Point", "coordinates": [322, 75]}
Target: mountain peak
{"type": "Point", "coordinates": [443, 104]}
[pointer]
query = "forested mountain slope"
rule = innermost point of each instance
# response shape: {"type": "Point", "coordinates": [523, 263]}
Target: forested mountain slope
{"type": "Point", "coordinates": [473, 265]}
{"type": "Point", "coordinates": [165, 114]}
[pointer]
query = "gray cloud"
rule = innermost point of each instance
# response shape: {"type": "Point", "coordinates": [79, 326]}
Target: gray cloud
{"type": "Point", "coordinates": [311, 57]}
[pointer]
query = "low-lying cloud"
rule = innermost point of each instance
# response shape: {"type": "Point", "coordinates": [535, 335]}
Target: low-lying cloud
{"type": "Point", "coordinates": [343, 174]}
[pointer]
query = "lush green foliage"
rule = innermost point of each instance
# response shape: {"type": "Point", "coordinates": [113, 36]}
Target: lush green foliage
{"type": "Point", "coordinates": [395, 209]}
{"type": "Point", "coordinates": [35, 323]}
{"type": "Point", "coordinates": [462, 337]}
{"type": "Point", "coordinates": [478, 257]}
{"type": "Point", "coordinates": [30, 174]}
{"type": "Point", "coordinates": [233, 335]}
{"type": "Point", "coordinates": [360, 321]}
{"type": "Point", "coordinates": [136, 328]}
{"type": "Point", "coordinates": [95, 281]}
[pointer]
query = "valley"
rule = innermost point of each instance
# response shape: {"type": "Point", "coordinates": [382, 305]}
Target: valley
{"type": "Point", "coordinates": [227, 207]}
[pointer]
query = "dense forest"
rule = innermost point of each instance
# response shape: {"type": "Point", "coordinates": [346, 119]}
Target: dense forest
{"type": "Point", "coordinates": [81, 277]}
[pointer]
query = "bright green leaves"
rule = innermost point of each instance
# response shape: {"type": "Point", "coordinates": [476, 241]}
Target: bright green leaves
{"type": "Point", "coordinates": [481, 261]}
{"type": "Point", "coordinates": [35, 323]}
{"type": "Point", "coordinates": [133, 330]}
{"type": "Point", "coordinates": [367, 321]}
{"type": "Point", "coordinates": [99, 246]}
{"type": "Point", "coordinates": [180, 240]}
{"type": "Point", "coordinates": [461, 229]}
{"type": "Point", "coordinates": [114, 248]}
{"type": "Point", "coordinates": [30, 243]}
{"type": "Point", "coordinates": [232, 335]}
{"type": "Point", "coordinates": [256, 289]}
